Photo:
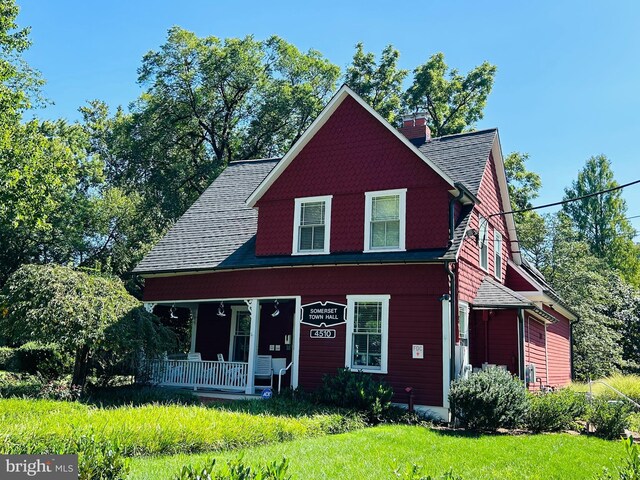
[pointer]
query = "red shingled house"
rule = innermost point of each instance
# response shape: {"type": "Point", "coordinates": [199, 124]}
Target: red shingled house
{"type": "Point", "coordinates": [365, 246]}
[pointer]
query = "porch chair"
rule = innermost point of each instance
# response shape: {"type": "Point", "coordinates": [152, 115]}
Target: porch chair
{"type": "Point", "coordinates": [194, 357]}
{"type": "Point", "coordinates": [220, 357]}
{"type": "Point", "coordinates": [264, 369]}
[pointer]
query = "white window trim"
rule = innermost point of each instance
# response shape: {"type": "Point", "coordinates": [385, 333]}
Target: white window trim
{"type": "Point", "coordinates": [497, 252]}
{"type": "Point", "coordinates": [384, 348]}
{"type": "Point", "coordinates": [486, 222]}
{"type": "Point", "coordinates": [402, 193]}
{"type": "Point", "coordinates": [234, 319]}
{"type": "Point", "coordinates": [327, 225]}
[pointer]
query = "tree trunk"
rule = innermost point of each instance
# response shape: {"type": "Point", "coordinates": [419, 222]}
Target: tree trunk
{"type": "Point", "coordinates": [80, 367]}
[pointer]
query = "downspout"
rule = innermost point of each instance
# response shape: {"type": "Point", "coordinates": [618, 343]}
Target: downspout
{"type": "Point", "coordinates": [521, 372]}
{"type": "Point", "coordinates": [454, 302]}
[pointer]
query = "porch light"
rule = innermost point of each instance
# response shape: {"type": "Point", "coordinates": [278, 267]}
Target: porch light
{"type": "Point", "coordinates": [172, 312]}
{"type": "Point", "coordinates": [276, 311]}
{"type": "Point", "coordinates": [221, 310]}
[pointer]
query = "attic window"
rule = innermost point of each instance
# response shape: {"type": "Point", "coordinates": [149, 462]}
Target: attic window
{"type": "Point", "coordinates": [483, 243]}
{"type": "Point", "coordinates": [384, 228]}
{"type": "Point", "coordinates": [312, 225]}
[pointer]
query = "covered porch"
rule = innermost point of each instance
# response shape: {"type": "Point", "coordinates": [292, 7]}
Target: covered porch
{"type": "Point", "coordinates": [236, 345]}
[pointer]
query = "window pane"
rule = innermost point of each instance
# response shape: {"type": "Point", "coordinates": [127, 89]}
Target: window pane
{"type": "Point", "coordinates": [368, 316]}
{"type": "Point", "coordinates": [305, 238]}
{"type": "Point", "coordinates": [318, 238]}
{"type": "Point", "coordinates": [312, 213]}
{"type": "Point", "coordinates": [378, 235]}
{"type": "Point", "coordinates": [375, 344]}
{"type": "Point", "coordinates": [393, 234]}
{"type": "Point", "coordinates": [243, 323]}
{"type": "Point", "coordinates": [385, 208]}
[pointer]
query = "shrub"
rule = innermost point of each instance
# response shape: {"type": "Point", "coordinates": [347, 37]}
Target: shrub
{"type": "Point", "coordinates": [60, 390]}
{"type": "Point", "coordinates": [6, 356]}
{"type": "Point", "coordinates": [236, 470]}
{"type": "Point", "coordinates": [356, 390]}
{"type": "Point", "coordinates": [97, 459]}
{"type": "Point", "coordinates": [46, 360]}
{"type": "Point", "coordinates": [634, 422]}
{"type": "Point", "coordinates": [100, 460]}
{"type": "Point", "coordinates": [488, 400]}
{"type": "Point", "coordinates": [554, 411]}
{"type": "Point", "coordinates": [630, 469]}
{"type": "Point", "coordinates": [19, 385]}
{"type": "Point", "coordinates": [610, 419]}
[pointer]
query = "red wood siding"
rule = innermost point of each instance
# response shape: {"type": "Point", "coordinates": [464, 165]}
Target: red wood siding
{"type": "Point", "coordinates": [535, 349]}
{"type": "Point", "coordinates": [518, 282]}
{"type": "Point", "coordinates": [470, 275]}
{"type": "Point", "coordinates": [494, 338]}
{"type": "Point", "coordinates": [559, 350]}
{"type": "Point", "coordinates": [415, 314]}
{"type": "Point", "coordinates": [351, 154]}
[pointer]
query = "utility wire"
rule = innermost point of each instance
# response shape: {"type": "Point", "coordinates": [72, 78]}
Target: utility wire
{"type": "Point", "coordinates": [568, 200]}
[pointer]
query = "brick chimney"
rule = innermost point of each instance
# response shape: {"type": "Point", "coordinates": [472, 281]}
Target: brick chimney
{"type": "Point", "coordinates": [414, 126]}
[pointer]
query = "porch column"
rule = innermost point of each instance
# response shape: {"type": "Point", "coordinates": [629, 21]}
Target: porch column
{"type": "Point", "coordinates": [194, 326]}
{"type": "Point", "coordinates": [254, 309]}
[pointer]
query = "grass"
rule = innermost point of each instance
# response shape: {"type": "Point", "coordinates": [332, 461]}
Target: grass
{"type": "Point", "coordinates": [38, 425]}
{"type": "Point", "coordinates": [376, 452]}
{"type": "Point", "coordinates": [627, 384]}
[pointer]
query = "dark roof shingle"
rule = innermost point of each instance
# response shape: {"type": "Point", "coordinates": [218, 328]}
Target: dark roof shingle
{"type": "Point", "coordinates": [215, 226]}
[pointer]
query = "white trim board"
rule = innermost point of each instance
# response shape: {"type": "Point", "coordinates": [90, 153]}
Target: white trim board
{"type": "Point", "coordinates": [318, 123]}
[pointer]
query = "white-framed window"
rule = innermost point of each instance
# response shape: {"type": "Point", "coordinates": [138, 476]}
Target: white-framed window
{"type": "Point", "coordinates": [240, 333]}
{"type": "Point", "coordinates": [367, 333]}
{"type": "Point", "coordinates": [483, 242]}
{"type": "Point", "coordinates": [312, 225]}
{"type": "Point", "coordinates": [385, 220]}
{"type": "Point", "coordinates": [497, 252]}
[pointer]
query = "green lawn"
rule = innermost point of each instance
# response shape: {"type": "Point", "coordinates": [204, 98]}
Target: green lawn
{"type": "Point", "coordinates": [373, 454]}
{"type": "Point", "coordinates": [42, 425]}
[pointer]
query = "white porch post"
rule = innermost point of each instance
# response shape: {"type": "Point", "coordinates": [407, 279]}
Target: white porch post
{"type": "Point", "coordinates": [254, 309]}
{"type": "Point", "coordinates": [446, 349]}
{"type": "Point", "coordinates": [194, 326]}
{"type": "Point", "coordinates": [296, 343]}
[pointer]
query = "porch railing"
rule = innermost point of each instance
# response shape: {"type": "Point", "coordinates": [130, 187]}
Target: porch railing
{"type": "Point", "coordinates": [200, 374]}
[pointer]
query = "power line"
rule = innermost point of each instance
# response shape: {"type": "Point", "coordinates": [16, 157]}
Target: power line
{"type": "Point", "coordinates": [569, 200]}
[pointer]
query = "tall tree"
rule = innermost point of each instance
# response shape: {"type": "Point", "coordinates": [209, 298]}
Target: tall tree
{"type": "Point", "coordinates": [453, 101]}
{"type": "Point", "coordinates": [600, 219]}
{"type": "Point", "coordinates": [524, 186]}
{"type": "Point", "coordinates": [209, 101]}
{"type": "Point", "coordinates": [379, 84]}
{"type": "Point", "coordinates": [589, 285]}
{"type": "Point", "coordinates": [19, 84]}
{"type": "Point", "coordinates": [81, 312]}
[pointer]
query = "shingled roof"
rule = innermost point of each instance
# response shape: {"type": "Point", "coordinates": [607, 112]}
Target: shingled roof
{"type": "Point", "coordinates": [218, 230]}
{"type": "Point", "coordinates": [214, 227]}
{"type": "Point", "coordinates": [462, 156]}
{"type": "Point", "coordinates": [493, 295]}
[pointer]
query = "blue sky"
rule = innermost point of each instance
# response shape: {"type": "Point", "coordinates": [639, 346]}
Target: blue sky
{"type": "Point", "coordinates": [567, 77]}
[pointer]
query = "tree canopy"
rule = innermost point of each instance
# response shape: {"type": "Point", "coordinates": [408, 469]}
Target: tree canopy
{"type": "Point", "coordinates": [81, 312]}
{"type": "Point", "coordinates": [454, 102]}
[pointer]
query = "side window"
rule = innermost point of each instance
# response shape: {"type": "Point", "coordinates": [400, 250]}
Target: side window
{"type": "Point", "coordinates": [483, 243]}
{"type": "Point", "coordinates": [385, 221]}
{"type": "Point", "coordinates": [497, 252]}
{"type": "Point", "coordinates": [367, 332]}
{"type": "Point", "coordinates": [311, 225]}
